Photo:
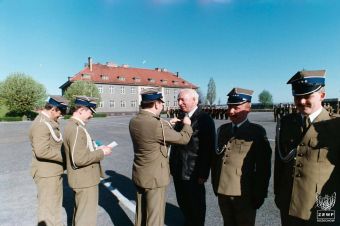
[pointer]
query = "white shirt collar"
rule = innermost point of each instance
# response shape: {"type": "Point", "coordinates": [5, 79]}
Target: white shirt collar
{"type": "Point", "coordinates": [192, 112]}
{"type": "Point", "coordinates": [313, 116]}
{"type": "Point", "coordinates": [78, 119]}
{"type": "Point", "coordinates": [44, 113]}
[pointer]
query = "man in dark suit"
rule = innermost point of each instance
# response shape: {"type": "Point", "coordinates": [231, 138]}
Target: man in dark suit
{"type": "Point", "coordinates": [190, 164]}
{"type": "Point", "coordinates": [151, 137]}
{"type": "Point", "coordinates": [305, 182]}
{"type": "Point", "coordinates": [241, 166]}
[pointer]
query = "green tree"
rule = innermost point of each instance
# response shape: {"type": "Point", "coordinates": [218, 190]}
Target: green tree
{"type": "Point", "coordinates": [21, 93]}
{"type": "Point", "coordinates": [266, 98]}
{"type": "Point", "coordinates": [211, 94]}
{"type": "Point", "coordinates": [81, 88]}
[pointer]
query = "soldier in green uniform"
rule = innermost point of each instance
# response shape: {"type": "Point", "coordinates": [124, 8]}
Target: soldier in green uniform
{"type": "Point", "coordinates": [83, 162]}
{"type": "Point", "coordinates": [151, 137]}
{"type": "Point", "coordinates": [241, 167]}
{"type": "Point", "coordinates": [304, 181]}
{"type": "Point", "coordinates": [47, 161]}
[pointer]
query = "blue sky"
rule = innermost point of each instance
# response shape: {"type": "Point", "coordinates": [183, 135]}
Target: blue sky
{"type": "Point", "coordinates": [254, 44]}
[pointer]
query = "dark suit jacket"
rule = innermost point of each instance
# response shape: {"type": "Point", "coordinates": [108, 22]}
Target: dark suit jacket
{"type": "Point", "coordinates": [193, 160]}
{"type": "Point", "coordinates": [243, 168]}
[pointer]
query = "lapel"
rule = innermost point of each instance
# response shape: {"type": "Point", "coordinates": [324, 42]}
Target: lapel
{"type": "Point", "coordinates": [324, 115]}
{"type": "Point", "coordinates": [311, 132]}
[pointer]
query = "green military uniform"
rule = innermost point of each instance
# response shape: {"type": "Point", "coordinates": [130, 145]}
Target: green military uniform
{"type": "Point", "coordinates": [83, 171]}
{"type": "Point", "coordinates": [297, 182]}
{"type": "Point", "coordinates": [151, 137]}
{"type": "Point", "coordinates": [305, 175]}
{"type": "Point", "coordinates": [241, 172]}
{"type": "Point", "coordinates": [47, 168]}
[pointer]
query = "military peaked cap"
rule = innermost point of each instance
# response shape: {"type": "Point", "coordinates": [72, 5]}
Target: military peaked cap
{"type": "Point", "coordinates": [151, 95]}
{"type": "Point", "coordinates": [307, 82]}
{"type": "Point", "coordinates": [59, 102]}
{"type": "Point", "coordinates": [239, 96]}
{"type": "Point", "coordinates": [85, 101]}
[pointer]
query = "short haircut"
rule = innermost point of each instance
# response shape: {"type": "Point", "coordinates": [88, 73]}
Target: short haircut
{"type": "Point", "coordinates": [146, 105]}
{"type": "Point", "coordinates": [192, 93]}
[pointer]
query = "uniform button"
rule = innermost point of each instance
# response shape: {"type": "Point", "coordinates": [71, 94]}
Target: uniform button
{"type": "Point", "coordinates": [302, 144]}
{"type": "Point", "coordinates": [300, 154]}
{"type": "Point", "coordinates": [298, 175]}
{"type": "Point", "coordinates": [299, 165]}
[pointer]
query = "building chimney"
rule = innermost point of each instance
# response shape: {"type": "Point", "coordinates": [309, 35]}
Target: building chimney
{"type": "Point", "coordinates": [177, 74]}
{"type": "Point", "coordinates": [89, 63]}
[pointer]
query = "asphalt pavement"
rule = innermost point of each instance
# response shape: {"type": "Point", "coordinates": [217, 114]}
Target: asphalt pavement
{"type": "Point", "coordinates": [18, 192]}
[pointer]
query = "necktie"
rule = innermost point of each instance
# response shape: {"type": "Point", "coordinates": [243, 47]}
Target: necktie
{"type": "Point", "coordinates": [306, 122]}
{"type": "Point", "coordinates": [235, 129]}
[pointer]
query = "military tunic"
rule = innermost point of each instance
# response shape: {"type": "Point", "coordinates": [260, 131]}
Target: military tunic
{"type": "Point", "coordinates": [241, 172]}
{"type": "Point", "coordinates": [47, 168]}
{"type": "Point", "coordinates": [151, 137]}
{"type": "Point", "coordinates": [297, 183]}
{"type": "Point", "coordinates": [83, 171]}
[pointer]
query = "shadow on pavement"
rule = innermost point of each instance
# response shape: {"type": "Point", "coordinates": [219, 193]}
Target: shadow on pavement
{"type": "Point", "coordinates": [106, 200]}
{"type": "Point", "coordinates": [173, 215]}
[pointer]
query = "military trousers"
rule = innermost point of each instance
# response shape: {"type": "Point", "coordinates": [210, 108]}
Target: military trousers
{"type": "Point", "coordinates": [50, 198]}
{"type": "Point", "coordinates": [86, 206]}
{"type": "Point", "coordinates": [150, 209]}
{"type": "Point", "coordinates": [288, 220]}
{"type": "Point", "coordinates": [191, 200]}
{"type": "Point", "coordinates": [236, 210]}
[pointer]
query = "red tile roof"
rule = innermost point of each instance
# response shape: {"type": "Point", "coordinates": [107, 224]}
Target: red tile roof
{"type": "Point", "coordinates": [111, 74]}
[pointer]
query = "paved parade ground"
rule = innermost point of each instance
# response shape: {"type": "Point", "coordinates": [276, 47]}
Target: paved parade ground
{"type": "Point", "coordinates": [18, 191]}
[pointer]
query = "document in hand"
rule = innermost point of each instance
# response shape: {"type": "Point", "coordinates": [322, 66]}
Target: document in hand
{"type": "Point", "coordinates": [112, 144]}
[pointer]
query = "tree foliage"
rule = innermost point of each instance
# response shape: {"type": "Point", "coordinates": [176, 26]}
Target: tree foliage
{"type": "Point", "coordinates": [21, 93]}
{"type": "Point", "coordinates": [211, 94]}
{"type": "Point", "coordinates": [81, 88]}
{"type": "Point", "coordinates": [266, 98]}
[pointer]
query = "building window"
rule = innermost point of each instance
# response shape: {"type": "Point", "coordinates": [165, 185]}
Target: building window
{"type": "Point", "coordinates": [104, 77]}
{"type": "Point", "coordinates": [136, 79]}
{"type": "Point", "coordinates": [133, 90]}
{"type": "Point", "coordinates": [86, 76]}
{"type": "Point", "coordinates": [151, 80]}
{"type": "Point", "coordinates": [133, 103]}
{"type": "Point", "coordinates": [167, 103]}
{"type": "Point", "coordinates": [121, 78]}
{"type": "Point", "coordinates": [175, 92]}
{"type": "Point", "coordinates": [101, 104]}
{"type": "Point", "coordinates": [100, 89]}
{"type": "Point", "coordinates": [112, 103]}
{"type": "Point", "coordinates": [164, 81]}
{"type": "Point", "coordinates": [167, 91]}
{"type": "Point", "coordinates": [122, 104]}
{"type": "Point", "coordinates": [175, 103]}
{"type": "Point", "coordinates": [122, 90]}
{"type": "Point", "coordinates": [112, 89]}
